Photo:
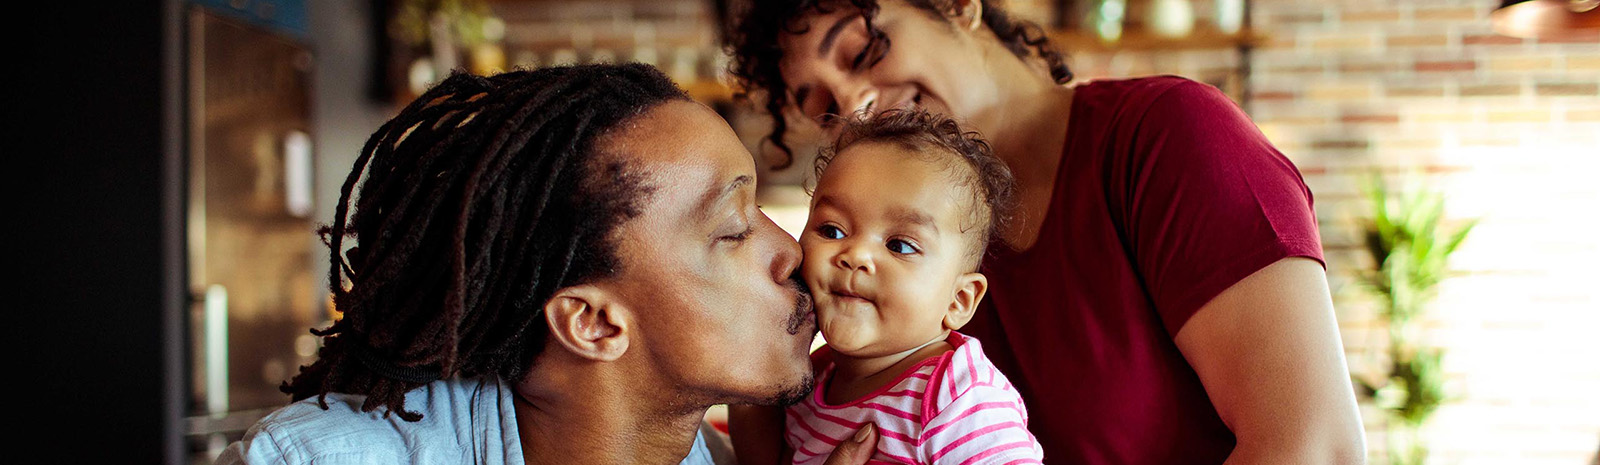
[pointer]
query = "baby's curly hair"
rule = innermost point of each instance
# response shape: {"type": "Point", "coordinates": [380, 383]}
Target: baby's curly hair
{"type": "Point", "coordinates": [939, 138]}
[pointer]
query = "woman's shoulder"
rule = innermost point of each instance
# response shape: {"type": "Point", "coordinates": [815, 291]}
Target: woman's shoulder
{"type": "Point", "coordinates": [1133, 87]}
{"type": "Point", "coordinates": [1137, 97]}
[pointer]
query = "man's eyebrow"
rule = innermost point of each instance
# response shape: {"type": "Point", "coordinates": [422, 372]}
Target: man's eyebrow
{"type": "Point", "coordinates": [718, 196]}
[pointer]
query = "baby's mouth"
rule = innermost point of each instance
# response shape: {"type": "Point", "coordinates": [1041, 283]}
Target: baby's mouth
{"type": "Point", "coordinates": [845, 296]}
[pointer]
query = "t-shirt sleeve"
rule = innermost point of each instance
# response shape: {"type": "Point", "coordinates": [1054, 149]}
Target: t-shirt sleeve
{"type": "Point", "coordinates": [973, 415]}
{"type": "Point", "coordinates": [984, 424]}
{"type": "Point", "coordinates": [1205, 200]}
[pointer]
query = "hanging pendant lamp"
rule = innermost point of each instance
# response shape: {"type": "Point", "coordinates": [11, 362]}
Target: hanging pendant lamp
{"type": "Point", "coordinates": [1532, 19]}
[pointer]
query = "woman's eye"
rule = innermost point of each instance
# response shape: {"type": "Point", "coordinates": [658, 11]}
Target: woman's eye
{"type": "Point", "coordinates": [901, 247]}
{"type": "Point", "coordinates": [860, 60]}
{"type": "Point", "coordinates": [829, 231]}
{"type": "Point", "coordinates": [870, 55]}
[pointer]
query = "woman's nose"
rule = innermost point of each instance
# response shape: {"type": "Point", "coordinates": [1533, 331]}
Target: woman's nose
{"type": "Point", "coordinates": [857, 102]}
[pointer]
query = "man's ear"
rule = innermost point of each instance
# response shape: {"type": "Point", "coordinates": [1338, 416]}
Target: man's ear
{"type": "Point", "coordinates": [970, 288]}
{"type": "Point", "coordinates": [588, 322]}
{"type": "Point", "coordinates": [968, 14]}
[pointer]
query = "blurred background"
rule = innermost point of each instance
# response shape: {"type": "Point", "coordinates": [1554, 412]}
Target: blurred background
{"type": "Point", "coordinates": [190, 148]}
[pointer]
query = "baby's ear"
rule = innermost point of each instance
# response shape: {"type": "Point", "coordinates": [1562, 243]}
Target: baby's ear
{"type": "Point", "coordinates": [970, 288]}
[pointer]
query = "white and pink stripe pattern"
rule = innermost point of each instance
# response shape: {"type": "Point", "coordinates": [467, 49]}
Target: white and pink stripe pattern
{"type": "Point", "coordinates": [956, 408]}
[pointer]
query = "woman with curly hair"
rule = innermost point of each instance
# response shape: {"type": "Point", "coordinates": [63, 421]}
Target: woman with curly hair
{"type": "Point", "coordinates": [1161, 297]}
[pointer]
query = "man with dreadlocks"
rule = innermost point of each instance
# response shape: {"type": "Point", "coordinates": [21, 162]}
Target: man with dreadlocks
{"type": "Point", "coordinates": [564, 265]}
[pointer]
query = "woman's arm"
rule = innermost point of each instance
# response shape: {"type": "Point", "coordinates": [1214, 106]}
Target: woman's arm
{"type": "Point", "coordinates": [1268, 351]}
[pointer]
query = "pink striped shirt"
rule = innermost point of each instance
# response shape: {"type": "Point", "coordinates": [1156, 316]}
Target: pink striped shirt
{"type": "Point", "coordinates": [955, 408]}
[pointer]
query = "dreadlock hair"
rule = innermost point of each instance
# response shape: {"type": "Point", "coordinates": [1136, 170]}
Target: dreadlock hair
{"type": "Point", "coordinates": [482, 198]}
{"type": "Point", "coordinates": [937, 138]}
{"type": "Point", "coordinates": [753, 41]}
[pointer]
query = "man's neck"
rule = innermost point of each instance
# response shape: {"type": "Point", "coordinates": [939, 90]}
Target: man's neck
{"type": "Point", "coordinates": [567, 420]}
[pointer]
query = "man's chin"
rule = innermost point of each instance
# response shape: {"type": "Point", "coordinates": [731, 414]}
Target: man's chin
{"type": "Point", "coordinates": [792, 394]}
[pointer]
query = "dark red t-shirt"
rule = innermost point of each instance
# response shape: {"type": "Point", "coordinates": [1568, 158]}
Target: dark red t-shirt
{"type": "Point", "coordinates": [1167, 195]}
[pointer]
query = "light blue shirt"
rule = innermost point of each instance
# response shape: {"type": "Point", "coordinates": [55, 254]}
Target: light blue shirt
{"type": "Point", "coordinates": [464, 421]}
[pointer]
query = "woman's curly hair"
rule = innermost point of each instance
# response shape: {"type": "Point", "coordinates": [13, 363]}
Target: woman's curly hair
{"type": "Point", "coordinates": [753, 41]}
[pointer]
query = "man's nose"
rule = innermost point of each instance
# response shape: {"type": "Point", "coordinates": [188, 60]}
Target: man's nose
{"type": "Point", "coordinates": [856, 256]}
{"type": "Point", "coordinates": [787, 257]}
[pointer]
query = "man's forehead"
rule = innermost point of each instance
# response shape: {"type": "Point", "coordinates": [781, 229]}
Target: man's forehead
{"type": "Point", "coordinates": [685, 151]}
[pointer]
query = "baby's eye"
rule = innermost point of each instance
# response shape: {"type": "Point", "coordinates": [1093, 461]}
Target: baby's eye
{"type": "Point", "coordinates": [901, 247]}
{"type": "Point", "coordinates": [829, 231]}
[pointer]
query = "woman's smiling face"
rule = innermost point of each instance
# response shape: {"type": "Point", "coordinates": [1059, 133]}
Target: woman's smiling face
{"type": "Point", "coordinates": [833, 67]}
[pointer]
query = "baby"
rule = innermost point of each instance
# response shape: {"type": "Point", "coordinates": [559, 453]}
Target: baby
{"type": "Point", "coordinates": [903, 209]}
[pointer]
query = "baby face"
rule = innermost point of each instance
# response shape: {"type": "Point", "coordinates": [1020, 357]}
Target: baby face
{"type": "Point", "coordinates": [886, 256]}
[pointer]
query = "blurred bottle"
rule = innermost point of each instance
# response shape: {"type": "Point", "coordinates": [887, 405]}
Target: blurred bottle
{"type": "Point", "coordinates": [1106, 18]}
{"type": "Point", "coordinates": [1171, 18]}
{"type": "Point", "coordinates": [1230, 15]}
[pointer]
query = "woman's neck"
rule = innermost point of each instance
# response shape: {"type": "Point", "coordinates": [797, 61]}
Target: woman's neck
{"type": "Point", "coordinates": [854, 377]}
{"type": "Point", "coordinates": [1027, 127]}
{"type": "Point", "coordinates": [1028, 131]}
{"type": "Point", "coordinates": [1026, 121]}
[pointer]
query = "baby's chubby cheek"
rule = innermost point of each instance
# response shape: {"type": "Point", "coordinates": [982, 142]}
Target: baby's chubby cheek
{"type": "Point", "coordinates": [841, 325]}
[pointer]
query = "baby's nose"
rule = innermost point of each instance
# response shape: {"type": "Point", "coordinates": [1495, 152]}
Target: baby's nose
{"type": "Point", "coordinates": [855, 258]}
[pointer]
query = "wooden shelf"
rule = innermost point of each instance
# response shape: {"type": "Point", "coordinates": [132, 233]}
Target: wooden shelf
{"type": "Point", "coordinates": [1204, 37]}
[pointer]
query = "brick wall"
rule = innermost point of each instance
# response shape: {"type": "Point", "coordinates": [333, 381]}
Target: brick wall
{"type": "Point", "coordinates": [1509, 129]}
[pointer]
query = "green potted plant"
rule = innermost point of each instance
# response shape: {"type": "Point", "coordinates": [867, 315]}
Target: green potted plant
{"type": "Point", "coordinates": [1410, 245]}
